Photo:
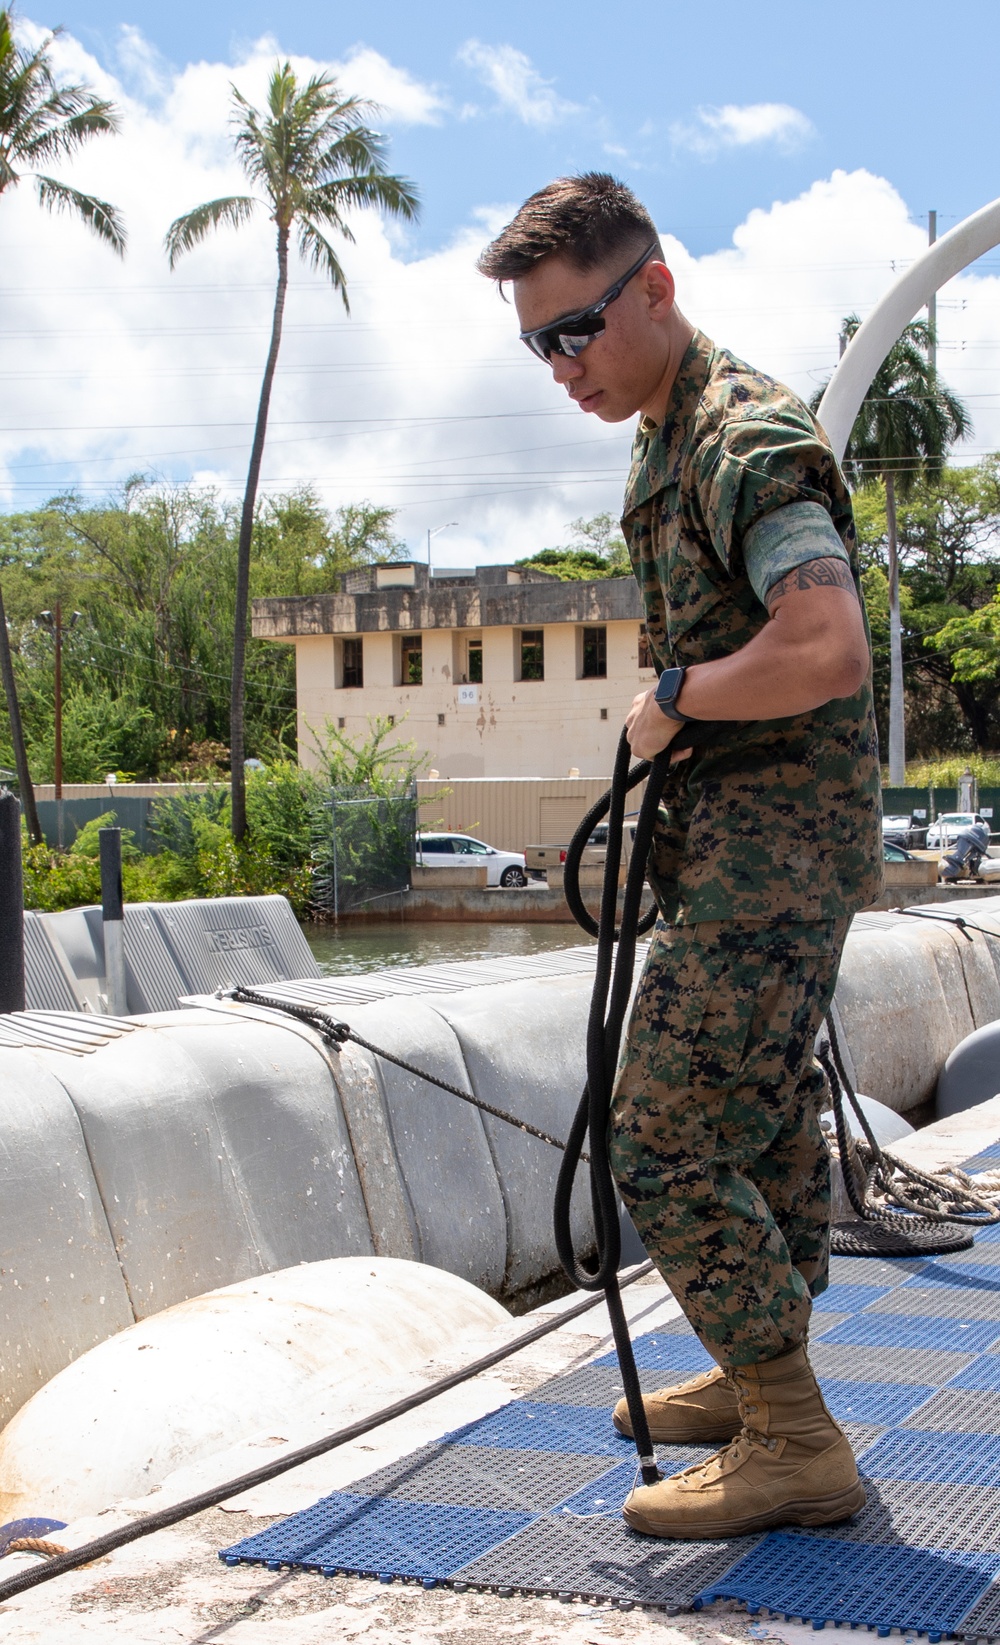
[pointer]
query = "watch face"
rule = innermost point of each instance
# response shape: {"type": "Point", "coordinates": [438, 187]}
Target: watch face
{"type": "Point", "coordinates": [670, 684]}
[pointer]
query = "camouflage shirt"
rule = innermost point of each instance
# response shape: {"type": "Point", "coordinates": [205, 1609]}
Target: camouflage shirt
{"type": "Point", "coordinates": [771, 819]}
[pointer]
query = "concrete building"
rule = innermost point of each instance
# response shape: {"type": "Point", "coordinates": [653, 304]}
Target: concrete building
{"type": "Point", "coordinates": [503, 671]}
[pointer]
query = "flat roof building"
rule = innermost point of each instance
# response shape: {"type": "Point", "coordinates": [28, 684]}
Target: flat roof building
{"type": "Point", "coordinates": [501, 671]}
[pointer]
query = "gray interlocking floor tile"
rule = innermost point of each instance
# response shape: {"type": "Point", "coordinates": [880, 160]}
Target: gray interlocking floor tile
{"type": "Point", "coordinates": [932, 1366]}
{"type": "Point", "coordinates": [924, 1516]}
{"type": "Point", "coordinates": [602, 1558]}
{"type": "Point", "coordinates": [483, 1476]}
{"type": "Point", "coordinates": [873, 1270]}
{"type": "Point", "coordinates": [941, 1302]}
{"type": "Point", "coordinates": [959, 1410]}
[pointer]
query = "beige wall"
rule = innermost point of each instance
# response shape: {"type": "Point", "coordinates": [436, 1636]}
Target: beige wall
{"type": "Point", "coordinates": [510, 813]}
{"type": "Point", "coordinates": [517, 728]}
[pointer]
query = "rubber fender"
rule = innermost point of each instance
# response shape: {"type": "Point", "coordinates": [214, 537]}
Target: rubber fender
{"type": "Point", "coordinates": [971, 1073]}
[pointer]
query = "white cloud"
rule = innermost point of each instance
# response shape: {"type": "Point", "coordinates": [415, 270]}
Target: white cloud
{"type": "Point", "coordinates": [406, 101]}
{"type": "Point", "coordinates": [424, 399]}
{"type": "Point", "coordinates": [736, 125]}
{"type": "Point", "coordinates": [516, 83]}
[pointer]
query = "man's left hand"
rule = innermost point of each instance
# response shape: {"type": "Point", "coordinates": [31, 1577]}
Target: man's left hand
{"type": "Point", "coordinates": [649, 730]}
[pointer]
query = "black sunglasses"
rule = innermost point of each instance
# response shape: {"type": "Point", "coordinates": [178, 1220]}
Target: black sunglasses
{"type": "Point", "coordinates": [571, 334]}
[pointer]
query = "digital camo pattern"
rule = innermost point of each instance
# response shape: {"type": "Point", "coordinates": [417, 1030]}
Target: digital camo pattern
{"type": "Point", "coordinates": [772, 820]}
{"type": "Point", "coordinates": [715, 1137]}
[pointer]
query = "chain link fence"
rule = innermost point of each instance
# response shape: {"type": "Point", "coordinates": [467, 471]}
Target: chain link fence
{"type": "Point", "coordinates": [363, 850]}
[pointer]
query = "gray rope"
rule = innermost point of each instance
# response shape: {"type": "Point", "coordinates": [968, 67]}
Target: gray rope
{"type": "Point", "coordinates": [913, 1196]}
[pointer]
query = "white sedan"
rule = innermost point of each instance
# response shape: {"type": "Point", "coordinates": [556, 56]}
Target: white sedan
{"type": "Point", "coordinates": [457, 850]}
{"type": "Point", "coordinates": [948, 827]}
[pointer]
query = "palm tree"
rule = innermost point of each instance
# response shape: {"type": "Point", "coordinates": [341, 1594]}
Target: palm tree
{"type": "Point", "coordinates": [313, 159]}
{"type": "Point", "coordinates": [907, 421]}
{"type": "Point", "coordinates": [41, 121]}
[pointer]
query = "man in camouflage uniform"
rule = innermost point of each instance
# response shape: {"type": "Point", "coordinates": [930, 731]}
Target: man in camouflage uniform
{"type": "Point", "coordinates": [742, 539]}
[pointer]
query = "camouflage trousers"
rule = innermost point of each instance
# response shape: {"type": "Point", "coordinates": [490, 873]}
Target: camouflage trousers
{"type": "Point", "coordinates": [714, 1133]}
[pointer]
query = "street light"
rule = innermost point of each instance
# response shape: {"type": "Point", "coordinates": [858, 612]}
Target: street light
{"type": "Point", "coordinates": [52, 620]}
{"type": "Point", "coordinates": [432, 531]}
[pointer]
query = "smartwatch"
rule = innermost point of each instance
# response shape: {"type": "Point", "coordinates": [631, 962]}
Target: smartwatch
{"type": "Point", "coordinates": [667, 692]}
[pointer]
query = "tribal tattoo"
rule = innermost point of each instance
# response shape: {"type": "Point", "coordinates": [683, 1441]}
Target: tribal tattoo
{"type": "Point", "coordinates": [822, 573]}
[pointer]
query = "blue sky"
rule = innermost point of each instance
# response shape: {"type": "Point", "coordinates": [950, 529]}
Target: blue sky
{"type": "Point", "coordinates": [908, 91]}
{"type": "Point", "coordinates": [788, 152]}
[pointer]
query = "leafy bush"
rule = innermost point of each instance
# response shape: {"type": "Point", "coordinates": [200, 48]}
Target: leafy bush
{"type": "Point", "coordinates": [87, 843]}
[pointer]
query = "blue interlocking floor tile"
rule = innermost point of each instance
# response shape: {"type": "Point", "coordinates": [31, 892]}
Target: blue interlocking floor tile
{"type": "Point", "coordinates": [985, 1160]}
{"type": "Point", "coordinates": [821, 1580]}
{"type": "Point", "coordinates": [955, 1336]}
{"type": "Point", "coordinates": [881, 1403]}
{"type": "Point", "coordinates": [983, 1373]}
{"type": "Point", "coordinates": [525, 1425]}
{"type": "Point", "coordinates": [943, 1459]}
{"type": "Point", "coordinates": [380, 1536]}
{"type": "Point", "coordinates": [849, 1299]}
{"type": "Point", "coordinates": [669, 1353]}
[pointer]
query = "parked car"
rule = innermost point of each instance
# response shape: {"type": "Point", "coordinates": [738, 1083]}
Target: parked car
{"type": "Point", "coordinates": [895, 853]}
{"type": "Point", "coordinates": [450, 850]}
{"type": "Point", "coordinates": [596, 848]}
{"type": "Point", "coordinates": [909, 832]}
{"type": "Point", "coordinates": [948, 827]}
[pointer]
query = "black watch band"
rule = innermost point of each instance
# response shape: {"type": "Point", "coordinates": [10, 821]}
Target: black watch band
{"type": "Point", "coordinates": [667, 692]}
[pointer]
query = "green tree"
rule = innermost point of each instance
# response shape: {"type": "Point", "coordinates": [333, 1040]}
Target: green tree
{"type": "Point", "coordinates": [949, 555]}
{"type": "Point", "coordinates": [42, 121]}
{"type": "Point", "coordinates": [907, 421]}
{"type": "Point", "coordinates": [596, 549]}
{"type": "Point", "coordinates": [313, 159]}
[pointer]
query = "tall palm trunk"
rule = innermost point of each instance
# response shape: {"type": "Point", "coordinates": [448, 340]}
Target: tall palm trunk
{"type": "Point", "coordinates": [897, 720]}
{"type": "Point", "coordinates": [17, 732]}
{"type": "Point", "coordinates": [237, 701]}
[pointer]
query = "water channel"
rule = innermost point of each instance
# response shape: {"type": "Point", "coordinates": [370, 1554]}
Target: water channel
{"type": "Point", "coordinates": [346, 949]}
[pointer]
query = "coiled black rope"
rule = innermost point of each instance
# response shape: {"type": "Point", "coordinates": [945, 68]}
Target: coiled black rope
{"type": "Point", "coordinates": [612, 989]}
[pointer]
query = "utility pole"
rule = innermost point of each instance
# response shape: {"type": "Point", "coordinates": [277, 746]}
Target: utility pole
{"type": "Point", "coordinates": [432, 531]}
{"type": "Point", "coordinates": [932, 304]}
{"type": "Point", "coordinates": [53, 622]}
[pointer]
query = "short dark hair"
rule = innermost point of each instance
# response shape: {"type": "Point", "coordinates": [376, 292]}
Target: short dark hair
{"type": "Point", "coordinates": [586, 219]}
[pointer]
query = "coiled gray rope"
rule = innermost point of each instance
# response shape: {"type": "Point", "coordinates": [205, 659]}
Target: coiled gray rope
{"type": "Point", "coordinates": [909, 1197]}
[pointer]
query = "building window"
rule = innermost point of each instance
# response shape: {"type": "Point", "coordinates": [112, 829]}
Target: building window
{"type": "Point", "coordinates": [474, 660]}
{"type": "Point", "coordinates": [354, 667]}
{"type": "Point", "coordinates": [440, 719]}
{"type": "Point", "coordinates": [594, 660]}
{"type": "Point", "coordinates": [411, 660]}
{"type": "Point", "coordinates": [532, 654]}
{"type": "Point", "coordinates": [645, 654]}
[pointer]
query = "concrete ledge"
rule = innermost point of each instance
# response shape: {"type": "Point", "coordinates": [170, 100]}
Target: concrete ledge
{"type": "Point", "coordinates": [459, 878]}
{"type": "Point", "coordinates": [532, 904]}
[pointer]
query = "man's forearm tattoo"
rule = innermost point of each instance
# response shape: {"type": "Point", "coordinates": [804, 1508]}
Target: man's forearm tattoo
{"type": "Point", "coordinates": [824, 573]}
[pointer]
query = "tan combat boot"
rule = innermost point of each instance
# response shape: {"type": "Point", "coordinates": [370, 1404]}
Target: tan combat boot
{"type": "Point", "coordinates": [790, 1465]}
{"type": "Point", "coordinates": [704, 1411]}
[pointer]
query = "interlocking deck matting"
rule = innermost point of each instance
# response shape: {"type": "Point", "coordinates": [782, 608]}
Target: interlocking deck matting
{"type": "Point", "coordinates": [529, 1498]}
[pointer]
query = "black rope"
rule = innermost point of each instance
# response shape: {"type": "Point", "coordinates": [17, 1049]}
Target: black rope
{"type": "Point", "coordinates": [964, 925]}
{"type": "Point", "coordinates": [336, 1034]}
{"type": "Point", "coordinates": [163, 1518]}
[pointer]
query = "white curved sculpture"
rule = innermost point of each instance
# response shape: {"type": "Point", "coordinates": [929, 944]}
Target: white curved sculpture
{"type": "Point", "coordinates": [892, 314]}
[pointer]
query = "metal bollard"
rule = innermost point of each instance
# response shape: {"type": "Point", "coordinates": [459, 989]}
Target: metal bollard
{"type": "Point", "coordinates": [112, 909]}
{"type": "Point", "coordinates": [11, 906]}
